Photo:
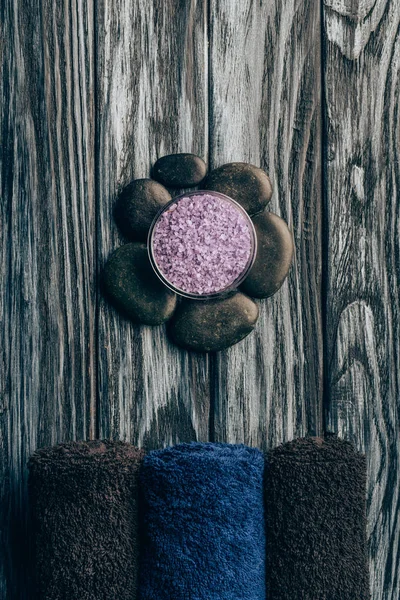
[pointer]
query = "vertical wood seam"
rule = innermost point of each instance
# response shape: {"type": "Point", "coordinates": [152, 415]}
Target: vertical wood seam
{"type": "Point", "coordinates": [324, 232]}
{"type": "Point", "coordinates": [96, 220]}
{"type": "Point", "coordinates": [212, 363]}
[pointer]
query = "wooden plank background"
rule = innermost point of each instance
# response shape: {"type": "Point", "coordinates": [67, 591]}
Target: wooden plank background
{"type": "Point", "coordinates": [362, 197]}
{"type": "Point", "coordinates": [152, 100]}
{"type": "Point", "coordinates": [265, 109]}
{"type": "Point", "coordinates": [91, 94]}
{"type": "Point", "coordinates": [48, 254]}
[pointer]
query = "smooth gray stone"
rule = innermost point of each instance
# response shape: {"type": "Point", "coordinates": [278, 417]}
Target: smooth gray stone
{"type": "Point", "coordinates": [274, 256]}
{"type": "Point", "coordinates": [180, 170]}
{"type": "Point", "coordinates": [245, 183]}
{"type": "Point", "coordinates": [212, 325]}
{"type": "Point", "coordinates": [131, 285]}
{"type": "Point", "coordinates": [137, 205]}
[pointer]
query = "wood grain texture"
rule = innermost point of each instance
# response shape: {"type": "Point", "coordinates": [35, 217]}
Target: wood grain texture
{"type": "Point", "coordinates": [362, 132]}
{"type": "Point", "coordinates": [89, 98]}
{"type": "Point", "coordinates": [265, 109]}
{"type": "Point", "coordinates": [152, 101]}
{"type": "Point", "coordinates": [5, 310]}
{"type": "Point", "coordinates": [48, 355]}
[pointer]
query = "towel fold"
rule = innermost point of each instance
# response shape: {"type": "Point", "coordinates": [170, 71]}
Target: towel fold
{"type": "Point", "coordinates": [83, 498]}
{"type": "Point", "coordinates": [203, 525]}
{"type": "Point", "coordinates": [316, 521]}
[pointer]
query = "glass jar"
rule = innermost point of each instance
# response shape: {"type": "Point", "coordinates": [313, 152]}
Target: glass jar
{"type": "Point", "coordinates": [235, 216]}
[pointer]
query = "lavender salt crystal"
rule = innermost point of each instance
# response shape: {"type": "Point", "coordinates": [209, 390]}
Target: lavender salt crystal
{"type": "Point", "coordinates": [202, 243]}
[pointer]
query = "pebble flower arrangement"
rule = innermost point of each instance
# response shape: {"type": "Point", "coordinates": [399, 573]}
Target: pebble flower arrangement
{"type": "Point", "coordinates": [199, 259]}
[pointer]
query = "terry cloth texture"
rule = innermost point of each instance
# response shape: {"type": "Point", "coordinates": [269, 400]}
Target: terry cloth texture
{"type": "Point", "coordinates": [203, 531]}
{"type": "Point", "coordinates": [316, 521]}
{"type": "Point", "coordinates": [83, 499]}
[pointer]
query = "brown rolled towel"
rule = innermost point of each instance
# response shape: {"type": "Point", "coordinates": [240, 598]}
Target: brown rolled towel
{"type": "Point", "coordinates": [83, 501]}
{"type": "Point", "coordinates": [316, 521]}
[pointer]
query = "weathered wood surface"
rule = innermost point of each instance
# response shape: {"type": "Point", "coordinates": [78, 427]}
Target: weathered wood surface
{"type": "Point", "coordinates": [5, 310]}
{"type": "Point", "coordinates": [152, 100]}
{"type": "Point", "coordinates": [89, 98]}
{"type": "Point", "coordinates": [362, 132]}
{"type": "Point", "coordinates": [265, 109]}
{"type": "Point", "coordinates": [48, 289]}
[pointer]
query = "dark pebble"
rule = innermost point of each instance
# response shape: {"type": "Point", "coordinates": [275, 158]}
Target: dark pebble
{"type": "Point", "coordinates": [180, 170]}
{"type": "Point", "coordinates": [137, 205]}
{"type": "Point", "coordinates": [247, 184]}
{"type": "Point", "coordinates": [212, 325]}
{"type": "Point", "coordinates": [274, 255]}
{"type": "Point", "coordinates": [131, 285]}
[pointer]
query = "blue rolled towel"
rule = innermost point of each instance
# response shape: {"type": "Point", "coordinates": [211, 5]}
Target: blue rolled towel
{"type": "Point", "coordinates": [202, 530]}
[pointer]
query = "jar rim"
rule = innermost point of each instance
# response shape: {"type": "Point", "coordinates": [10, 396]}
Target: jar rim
{"type": "Point", "coordinates": [239, 279]}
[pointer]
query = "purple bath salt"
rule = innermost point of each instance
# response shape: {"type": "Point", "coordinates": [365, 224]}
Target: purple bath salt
{"type": "Point", "coordinates": [202, 243]}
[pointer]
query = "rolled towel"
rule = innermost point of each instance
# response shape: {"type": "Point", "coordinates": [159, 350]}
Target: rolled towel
{"type": "Point", "coordinates": [316, 521]}
{"type": "Point", "coordinates": [83, 499]}
{"type": "Point", "coordinates": [203, 530]}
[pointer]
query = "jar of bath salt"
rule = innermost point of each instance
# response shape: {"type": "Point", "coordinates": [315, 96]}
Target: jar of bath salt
{"type": "Point", "coordinates": [202, 244]}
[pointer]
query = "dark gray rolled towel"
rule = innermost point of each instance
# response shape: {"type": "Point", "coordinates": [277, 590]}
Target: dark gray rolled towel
{"type": "Point", "coordinates": [83, 501]}
{"type": "Point", "coordinates": [316, 521]}
{"type": "Point", "coordinates": [203, 531]}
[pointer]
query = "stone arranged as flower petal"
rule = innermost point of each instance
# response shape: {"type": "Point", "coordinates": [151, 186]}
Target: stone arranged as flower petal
{"type": "Point", "coordinates": [134, 289]}
{"type": "Point", "coordinates": [180, 170]}
{"type": "Point", "coordinates": [137, 205]}
{"type": "Point", "coordinates": [274, 256]}
{"type": "Point", "coordinates": [245, 183]}
{"type": "Point", "coordinates": [213, 325]}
